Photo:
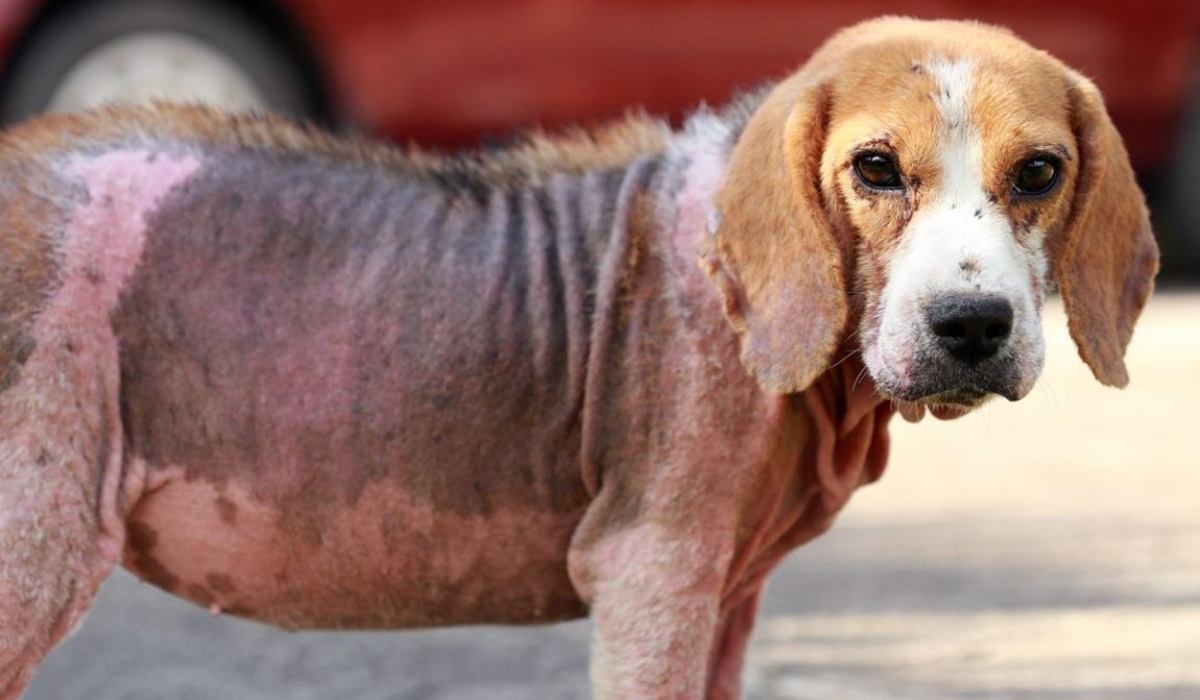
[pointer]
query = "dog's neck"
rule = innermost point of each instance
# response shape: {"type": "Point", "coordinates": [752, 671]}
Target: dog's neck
{"type": "Point", "coordinates": [699, 157]}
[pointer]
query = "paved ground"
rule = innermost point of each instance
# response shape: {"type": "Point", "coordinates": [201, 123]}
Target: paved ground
{"type": "Point", "coordinates": [1048, 549]}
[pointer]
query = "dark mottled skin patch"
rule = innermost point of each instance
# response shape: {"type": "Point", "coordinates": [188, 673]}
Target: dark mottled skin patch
{"type": "Point", "coordinates": [140, 537]}
{"type": "Point", "coordinates": [228, 510]}
{"type": "Point", "coordinates": [199, 594]}
{"type": "Point", "coordinates": [240, 610]}
{"type": "Point", "coordinates": [220, 583]}
{"type": "Point", "coordinates": [141, 540]}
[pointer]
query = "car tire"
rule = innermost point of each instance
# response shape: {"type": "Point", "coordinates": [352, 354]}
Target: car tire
{"type": "Point", "coordinates": [178, 50]}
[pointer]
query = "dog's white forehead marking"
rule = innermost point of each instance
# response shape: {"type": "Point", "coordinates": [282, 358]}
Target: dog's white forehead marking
{"type": "Point", "coordinates": [961, 151]}
{"type": "Point", "coordinates": [956, 223]}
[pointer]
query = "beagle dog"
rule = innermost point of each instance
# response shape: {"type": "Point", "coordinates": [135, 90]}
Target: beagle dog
{"type": "Point", "coordinates": [322, 383]}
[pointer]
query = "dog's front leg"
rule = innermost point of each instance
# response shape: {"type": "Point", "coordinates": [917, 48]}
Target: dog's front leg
{"type": "Point", "coordinates": [728, 656]}
{"type": "Point", "coordinates": [654, 590]}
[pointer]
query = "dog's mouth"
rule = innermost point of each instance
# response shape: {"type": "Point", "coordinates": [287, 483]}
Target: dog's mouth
{"type": "Point", "coordinates": [946, 405]}
{"type": "Point", "coordinates": [951, 390]}
{"type": "Point", "coordinates": [927, 379]}
{"type": "Point", "coordinates": [968, 397]}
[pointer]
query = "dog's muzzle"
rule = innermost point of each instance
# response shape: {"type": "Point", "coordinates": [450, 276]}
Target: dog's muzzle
{"type": "Point", "coordinates": [965, 355]}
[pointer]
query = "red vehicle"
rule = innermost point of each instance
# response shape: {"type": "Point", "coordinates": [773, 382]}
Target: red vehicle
{"type": "Point", "coordinates": [449, 72]}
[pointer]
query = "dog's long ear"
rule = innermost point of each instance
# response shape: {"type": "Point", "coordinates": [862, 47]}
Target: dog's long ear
{"type": "Point", "coordinates": [1108, 257]}
{"type": "Point", "coordinates": [773, 256]}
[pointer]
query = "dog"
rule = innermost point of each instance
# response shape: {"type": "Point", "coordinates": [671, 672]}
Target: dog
{"type": "Point", "coordinates": [322, 383]}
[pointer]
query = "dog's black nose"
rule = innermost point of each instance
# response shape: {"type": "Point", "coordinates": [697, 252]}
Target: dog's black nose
{"type": "Point", "coordinates": [971, 328]}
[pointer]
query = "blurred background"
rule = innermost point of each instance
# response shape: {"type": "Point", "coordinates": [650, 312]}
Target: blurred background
{"type": "Point", "coordinates": [1049, 549]}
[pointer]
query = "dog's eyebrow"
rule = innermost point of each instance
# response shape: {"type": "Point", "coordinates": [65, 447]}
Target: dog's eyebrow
{"type": "Point", "coordinates": [883, 141]}
{"type": "Point", "coordinates": [1058, 149]}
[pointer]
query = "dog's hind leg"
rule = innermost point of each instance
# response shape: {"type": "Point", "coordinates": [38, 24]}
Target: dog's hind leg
{"type": "Point", "coordinates": [60, 474]}
{"type": "Point", "coordinates": [61, 449]}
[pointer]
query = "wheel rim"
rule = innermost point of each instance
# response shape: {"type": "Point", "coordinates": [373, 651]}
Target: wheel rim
{"type": "Point", "coordinates": [162, 65]}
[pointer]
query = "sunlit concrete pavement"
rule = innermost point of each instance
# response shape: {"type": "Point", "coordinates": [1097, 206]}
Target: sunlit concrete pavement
{"type": "Point", "coordinates": [1048, 549]}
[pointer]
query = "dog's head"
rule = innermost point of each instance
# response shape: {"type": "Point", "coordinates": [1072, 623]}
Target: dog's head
{"type": "Point", "coordinates": [916, 188]}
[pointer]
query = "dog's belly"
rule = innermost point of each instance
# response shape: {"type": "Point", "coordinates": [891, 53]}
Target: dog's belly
{"type": "Point", "coordinates": [388, 561]}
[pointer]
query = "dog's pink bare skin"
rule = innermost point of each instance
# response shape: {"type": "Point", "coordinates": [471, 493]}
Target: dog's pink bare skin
{"type": "Point", "coordinates": [327, 394]}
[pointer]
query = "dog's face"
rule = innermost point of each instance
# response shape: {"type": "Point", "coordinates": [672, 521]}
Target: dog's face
{"type": "Point", "coordinates": [953, 174]}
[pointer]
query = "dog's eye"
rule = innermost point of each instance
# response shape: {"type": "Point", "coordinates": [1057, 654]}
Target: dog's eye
{"type": "Point", "coordinates": [878, 171]}
{"type": "Point", "coordinates": [1036, 176]}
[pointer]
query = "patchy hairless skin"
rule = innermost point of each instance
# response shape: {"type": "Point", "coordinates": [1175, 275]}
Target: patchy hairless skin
{"type": "Point", "coordinates": [322, 384]}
